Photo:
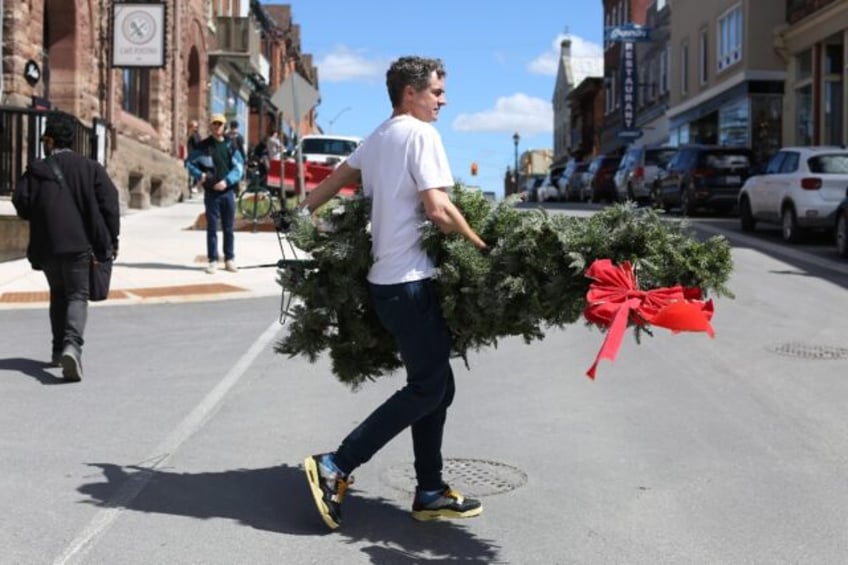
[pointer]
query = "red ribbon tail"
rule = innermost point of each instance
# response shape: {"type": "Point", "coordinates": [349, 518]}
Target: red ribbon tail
{"type": "Point", "coordinates": [685, 317]}
{"type": "Point", "coordinates": [615, 334]}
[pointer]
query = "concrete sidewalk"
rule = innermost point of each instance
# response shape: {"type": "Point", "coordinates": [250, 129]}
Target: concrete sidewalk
{"type": "Point", "coordinates": [162, 258]}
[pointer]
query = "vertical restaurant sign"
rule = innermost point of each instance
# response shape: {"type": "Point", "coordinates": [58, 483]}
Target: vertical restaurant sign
{"type": "Point", "coordinates": [138, 34]}
{"type": "Point", "coordinates": [628, 130]}
{"type": "Point", "coordinates": [628, 84]}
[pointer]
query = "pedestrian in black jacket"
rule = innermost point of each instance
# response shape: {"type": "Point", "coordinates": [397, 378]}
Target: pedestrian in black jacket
{"type": "Point", "coordinates": [67, 226]}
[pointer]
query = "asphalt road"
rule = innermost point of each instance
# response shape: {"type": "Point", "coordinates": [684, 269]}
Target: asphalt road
{"type": "Point", "coordinates": [184, 442]}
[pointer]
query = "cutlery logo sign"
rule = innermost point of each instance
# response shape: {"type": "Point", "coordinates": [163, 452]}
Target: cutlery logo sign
{"type": "Point", "coordinates": [139, 27]}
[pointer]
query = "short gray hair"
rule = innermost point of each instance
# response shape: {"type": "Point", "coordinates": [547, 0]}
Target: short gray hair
{"type": "Point", "coordinates": [411, 71]}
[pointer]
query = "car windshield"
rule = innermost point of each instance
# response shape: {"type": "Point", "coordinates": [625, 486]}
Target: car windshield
{"type": "Point", "coordinates": [342, 147]}
{"type": "Point", "coordinates": [833, 164]}
{"type": "Point", "coordinates": [659, 157]}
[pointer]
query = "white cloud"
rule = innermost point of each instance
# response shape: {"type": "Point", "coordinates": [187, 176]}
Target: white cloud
{"type": "Point", "coordinates": [344, 64]}
{"type": "Point", "coordinates": [519, 112]}
{"type": "Point", "coordinates": [587, 59]}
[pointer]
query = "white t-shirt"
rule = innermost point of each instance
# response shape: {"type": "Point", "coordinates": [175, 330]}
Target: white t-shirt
{"type": "Point", "coordinates": [402, 157]}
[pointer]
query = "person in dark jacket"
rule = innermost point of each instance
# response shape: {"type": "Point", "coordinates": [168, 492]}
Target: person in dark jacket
{"type": "Point", "coordinates": [218, 166]}
{"type": "Point", "coordinates": [67, 226]}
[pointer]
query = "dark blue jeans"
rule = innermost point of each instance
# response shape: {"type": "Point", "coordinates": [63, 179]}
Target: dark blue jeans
{"type": "Point", "coordinates": [67, 275]}
{"type": "Point", "coordinates": [412, 314]}
{"type": "Point", "coordinates": [220, 206]}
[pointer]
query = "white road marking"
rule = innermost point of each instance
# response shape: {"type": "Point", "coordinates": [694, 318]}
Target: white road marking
{"type": "Point", "coordinates": [85, 540]}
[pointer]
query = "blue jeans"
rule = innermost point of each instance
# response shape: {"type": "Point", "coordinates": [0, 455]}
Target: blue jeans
{"type": "Point", "coordinates": [412, 314]}
{"type": "Point", "coordinates": [67, 276]}
{"type": "Point", "coordinates": [220, 206]}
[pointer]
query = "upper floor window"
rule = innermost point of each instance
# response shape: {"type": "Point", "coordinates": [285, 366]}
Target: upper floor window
{"type": "Point", "coordinates": [730, 38]}
{"type": "Point", "coordinates": [136, 92]}
{"type": "Point", "coordinates": [684, 67]}
{"type": "Point", "coordinates": [703, 57]}
{"type": "Point", "coordinates": [665, 62]}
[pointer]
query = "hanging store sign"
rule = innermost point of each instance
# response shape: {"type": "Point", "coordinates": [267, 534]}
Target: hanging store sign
{"type": "Point", "coordinates": [627, 32]}
{"type": "Point", "coordinates": [138, 34]}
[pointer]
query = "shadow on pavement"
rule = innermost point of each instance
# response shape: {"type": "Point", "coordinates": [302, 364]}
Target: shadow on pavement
{"type": "Point", "coordinates": [277, 499]}
{"type": "Point", "coordinates": [31, 368]}
{"type": "Point", "coordinates": [168, 266]}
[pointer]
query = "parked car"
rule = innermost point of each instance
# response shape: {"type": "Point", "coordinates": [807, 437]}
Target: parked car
{"type": "Point", "coordinates": [703, 176]}
{"type": "Point", "coordinates": [600, 179]}
{"type": "Point", "coordinates": [841, 227]}
{"type": "Point", "coordinates": [801, 189]}
{"type": "Point", "coordinates": [638, 171]}
{"type": "Point", "coordinates": [530, 187]}
{"type": "Point", "coordinates": [328, 150]}
{"type": "Point", "coordinates": [573, 181]}
{"type": "Point", "coordinates": [549, 189]}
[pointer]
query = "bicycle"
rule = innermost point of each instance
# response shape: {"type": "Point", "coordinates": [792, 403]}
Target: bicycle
{"type": "Point", "coordinates": [256, 202]}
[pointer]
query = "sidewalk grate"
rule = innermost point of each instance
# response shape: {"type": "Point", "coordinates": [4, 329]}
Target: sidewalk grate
{"type": "Point", "coordinates": [809, 351]}
{"type": "Point", "coordinates": [27, 297]}
{"type": "Point", "coordinates": [471, 477]}
{"type": "Point", "coordinates": [32, 296]}
{"type": "Point", "coordinates": [185, 290]}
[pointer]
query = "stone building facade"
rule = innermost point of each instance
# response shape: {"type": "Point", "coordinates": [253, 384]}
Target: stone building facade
{"type": "Point", "coordinates": [142, 112]}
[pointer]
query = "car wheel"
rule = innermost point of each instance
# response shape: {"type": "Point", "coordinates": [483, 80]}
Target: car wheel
{"type": "Point", "coordinates": [842, 234]}
{"type": "Point", "coordinates": [789, 225]}
{"type": "Point", "coordinates": [687, 207]}
{"type": "Point", "coordinates": [655, 198]}
{"type": "Point", "coordinates": [746, 218]}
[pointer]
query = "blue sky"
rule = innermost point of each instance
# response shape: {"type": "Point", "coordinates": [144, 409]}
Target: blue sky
{"type": "Point", "coordinates": [501, 60]}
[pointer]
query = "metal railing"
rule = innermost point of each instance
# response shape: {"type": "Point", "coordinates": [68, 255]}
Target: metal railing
{"type": "Point", "coordinates": [20, 133]}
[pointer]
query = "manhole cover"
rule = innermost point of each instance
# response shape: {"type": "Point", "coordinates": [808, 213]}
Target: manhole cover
{"type": "Point", "coordinates": [471, 477]}
{"type": "Point", "coordinates": [809, 351]}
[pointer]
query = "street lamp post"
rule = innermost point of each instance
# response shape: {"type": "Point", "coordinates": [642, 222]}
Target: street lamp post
{"type": "Point", "coordinates": [331, 122]}
{"type": "Point", "coordinates": [515, 139]}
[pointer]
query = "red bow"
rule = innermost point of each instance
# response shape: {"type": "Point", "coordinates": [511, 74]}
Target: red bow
{"type": "Point", "coordinates": [614, 298]}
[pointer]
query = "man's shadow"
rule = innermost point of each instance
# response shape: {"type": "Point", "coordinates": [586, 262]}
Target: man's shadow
{"type": "Point", "coordinates": [31, 368]}
{"type": "Point", "coordinates": [277, 499]}
{"type": "Point", "coordinates": [150, 265]}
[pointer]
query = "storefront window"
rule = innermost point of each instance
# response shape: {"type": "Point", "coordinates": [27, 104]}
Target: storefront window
{"type": "Point", "coordinates": [833, 110]}
{"type": "Point", "coordinates": [679, 136]}
{"type": "Point", "coordinates": [804, 118]}
{"type": "Point", "coordinates": [218, 104]}
{"type": "Point", "coordinates": [833, 92]}
{"type": "Point", "coordinates": [766, 125]}
{"type": "Point", "coordinates": [805, 64]}
{"type": "Point", "coordinates": [733, 123]}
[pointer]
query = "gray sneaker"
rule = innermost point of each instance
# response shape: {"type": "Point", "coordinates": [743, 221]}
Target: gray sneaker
{"type": "Point", "coordinates": [71, 365]}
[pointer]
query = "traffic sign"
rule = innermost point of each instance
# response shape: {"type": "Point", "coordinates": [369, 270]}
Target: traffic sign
{"type": "Point", "coordinates": [295, 97]}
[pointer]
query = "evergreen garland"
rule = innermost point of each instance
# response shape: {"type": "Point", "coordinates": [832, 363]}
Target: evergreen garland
{"type": "Point", "coordinates": [530, 278]}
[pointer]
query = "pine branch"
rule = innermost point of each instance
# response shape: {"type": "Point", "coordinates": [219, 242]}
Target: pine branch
{"type": "Point", "coordinates": [532, 278]}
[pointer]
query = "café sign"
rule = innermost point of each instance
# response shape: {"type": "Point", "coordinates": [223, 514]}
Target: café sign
{"type": "Point", "coordinates": [138, 34]}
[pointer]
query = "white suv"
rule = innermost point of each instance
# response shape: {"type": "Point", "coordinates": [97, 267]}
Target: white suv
{"type": "Point", "coordinates": [801, 189]}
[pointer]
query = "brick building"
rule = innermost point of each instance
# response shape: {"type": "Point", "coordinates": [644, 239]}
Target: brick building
{"type": "Point", "coordinates": [225, 56]}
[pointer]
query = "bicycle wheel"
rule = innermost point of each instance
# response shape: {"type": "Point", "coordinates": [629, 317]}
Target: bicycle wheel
{"type": "Point", "coordinates": [254, 205]}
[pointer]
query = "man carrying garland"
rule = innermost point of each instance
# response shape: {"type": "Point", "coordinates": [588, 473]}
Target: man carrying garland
{"type": "Point", "coordinates": [404, 170]}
